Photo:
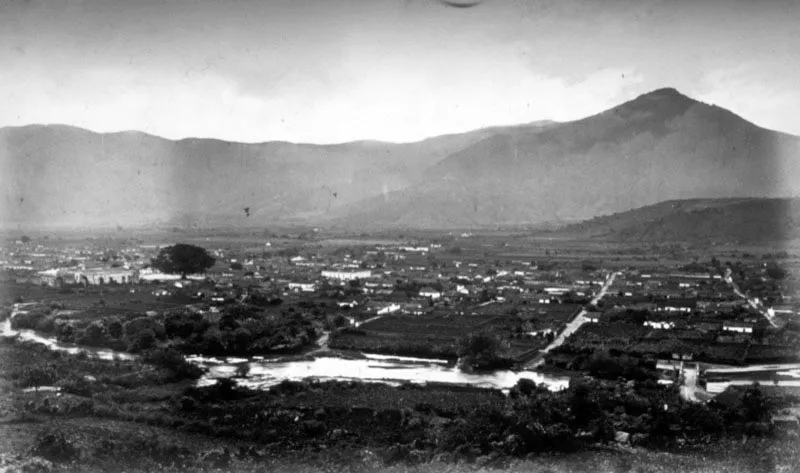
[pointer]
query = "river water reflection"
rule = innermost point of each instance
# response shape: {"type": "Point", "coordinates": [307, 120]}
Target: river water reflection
{"type": "Point", "coordinates": [261, 373]}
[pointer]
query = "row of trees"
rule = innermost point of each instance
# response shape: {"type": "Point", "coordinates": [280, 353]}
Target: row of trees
{"type": "Point", "coordinates": [241, 330]}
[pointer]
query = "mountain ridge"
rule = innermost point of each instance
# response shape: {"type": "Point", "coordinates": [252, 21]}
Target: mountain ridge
{"type": "Point", "coordinates": [711, 221]}
{"type": "Point", "coordinates": [658, 146]}
{"type": "Point", "coordinates": [679, 148]}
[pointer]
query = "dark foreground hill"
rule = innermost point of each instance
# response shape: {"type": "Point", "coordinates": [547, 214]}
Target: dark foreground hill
{"type": "Point", "coordinates": [744, 221]}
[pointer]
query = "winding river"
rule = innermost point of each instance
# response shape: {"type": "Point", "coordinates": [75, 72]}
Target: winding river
{"type": "Point", "coordinates": [261, 373]}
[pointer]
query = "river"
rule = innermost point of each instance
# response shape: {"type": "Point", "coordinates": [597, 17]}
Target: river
{"type": "Point", "coordinates": [261, 373]}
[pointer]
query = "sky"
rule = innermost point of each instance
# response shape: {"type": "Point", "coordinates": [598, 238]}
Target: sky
{"type": "Point", "coordinates": [331, 71]}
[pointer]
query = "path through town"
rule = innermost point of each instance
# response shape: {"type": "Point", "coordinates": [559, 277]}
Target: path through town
{"type": "Point", "coordinates": [571, 327]}
{"type": "Point", "coordinates": [754, 303]}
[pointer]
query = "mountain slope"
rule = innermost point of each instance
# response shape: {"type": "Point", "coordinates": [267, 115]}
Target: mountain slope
{"type": "Point", "coordinates": [699, 220]}
{"type": "Point", "coordinates": [659, 146]}
{"type": "Point", "coordinates": [60, 175]}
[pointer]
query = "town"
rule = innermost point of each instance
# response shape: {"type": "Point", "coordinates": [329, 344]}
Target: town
{"type": "Point", "coordinates": [448, 311]}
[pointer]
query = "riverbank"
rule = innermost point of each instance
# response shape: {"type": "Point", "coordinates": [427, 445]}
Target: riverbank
{"type": "Point", "coordinates": [129, 413]}
{"type": "Point", "coordinates": [262, 372]}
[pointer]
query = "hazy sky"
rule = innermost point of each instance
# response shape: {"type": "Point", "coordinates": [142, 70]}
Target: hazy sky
{"type": "Point", "coordinates": [398, 70]}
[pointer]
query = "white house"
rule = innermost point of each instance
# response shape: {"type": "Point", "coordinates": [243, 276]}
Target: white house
{"type": "Point", "coordinates": [430, 292]}
{"type": "Point", "coordinates": [302, 287]}
{"type": "Point", "coordinates": [556, 290]}
{"type": "Point", "coordinates": [346, 275]}
{"type": "Point", "coordinates": [738, 327]}
{"type": "Point", "coordinates": [388, 309]}
{"type": "Point", "coordinates": [659, 324]}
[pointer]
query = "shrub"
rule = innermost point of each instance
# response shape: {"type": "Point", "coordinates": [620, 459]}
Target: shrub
{"type": "Point", "coordinates": [140, 324]}
{"type": "Point", "coordinates": [481, 351]}
{"type": "Point", "coordinates": [41, 375]}
{"type": "Point", "coordinates": [93, 335]}
{"type": "Point", "coordinates": [77, 385]}
{"type": "Point", "coordinates": [184, 324]}
{"type": "Point", "coordinates": [173, 361]}
{"type": "Point", "coordinates": [115, 329]}
{"type": "Point", "coordinates": [55, 446]}
{"type": "Point", "coordinates": [143, 340]}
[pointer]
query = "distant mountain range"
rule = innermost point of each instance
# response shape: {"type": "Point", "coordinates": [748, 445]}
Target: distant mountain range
{"type": "Point", "coordinates": [660, 146]}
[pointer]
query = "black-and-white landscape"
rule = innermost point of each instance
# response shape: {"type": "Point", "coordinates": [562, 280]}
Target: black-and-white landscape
{"type": "Point", "coordinates": [399, 235]}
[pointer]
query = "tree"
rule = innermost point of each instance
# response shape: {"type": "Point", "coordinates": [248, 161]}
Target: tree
{"type": "Point", "coordinates": [143, 340]}
{"type": "Point", "coordinates": [755, 404]}
{"type": "Point", "coordinates": [25, 239]}
{"type": "Point", "coordinates": [480, 350]}
{"type": "Point", "coordinates": [93, 334]}
{"type": "Point", "coordinates": [776, 272]}
{"type": "Point", "coordinates": [115, 329]}
{"type": "Point", "coordinates": [183, 259]}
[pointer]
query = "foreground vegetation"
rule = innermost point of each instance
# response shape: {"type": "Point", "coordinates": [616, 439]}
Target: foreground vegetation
{"type": "Point", "coordinates": [145, 414]}
{"type": "Point", "coordinates": [237, 330]}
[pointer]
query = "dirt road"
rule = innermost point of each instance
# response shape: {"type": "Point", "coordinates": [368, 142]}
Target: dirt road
{"type": "Point", "coordinates": [573, 326]}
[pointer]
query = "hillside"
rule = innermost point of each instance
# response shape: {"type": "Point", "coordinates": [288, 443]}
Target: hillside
{"type": "Point", "coordinates": [659, 146]}
{"type": "Point", "coordinates": [740, 221]}
{"type": "Point", "coordinates": [65, 176]}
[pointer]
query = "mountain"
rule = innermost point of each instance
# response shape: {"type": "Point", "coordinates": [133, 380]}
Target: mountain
{"type": "Point", "coordinates": [659, 146]}
{"type": "Point", "coordinates": [66, 176]}
{"type": "Point", "coordinates": [741, 221]}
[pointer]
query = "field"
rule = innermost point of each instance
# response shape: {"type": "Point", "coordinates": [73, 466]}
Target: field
{"type": "Point", "coordinates": [111, 298]}
{"type": "Point", "coordinates": [435, 335]}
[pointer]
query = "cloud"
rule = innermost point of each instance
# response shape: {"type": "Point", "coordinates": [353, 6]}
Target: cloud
{"type": "Point", "coordinates": [398, 98]}
{"type": "Point", "coordinates": [762, 94]}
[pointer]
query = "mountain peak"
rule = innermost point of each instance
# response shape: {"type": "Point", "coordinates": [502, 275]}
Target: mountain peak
{"type": "Point", "coordinates": [664, 92]}
{"type": "Point", "coordinates": [656, 105]}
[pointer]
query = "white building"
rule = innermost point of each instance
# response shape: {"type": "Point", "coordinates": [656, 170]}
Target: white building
{"type": "Point", "coordinates": [738, 327]}
{"type": "Point", "coordinates": [388, 309]}
{"type": "Point", "coordinates": [658, 324]}
{"type": "Point", "coordinates": [301, 286]}
{"type": "Point", "coordinates": [430, 292]}
{"type": "Point", "coordinates": [346, 275]}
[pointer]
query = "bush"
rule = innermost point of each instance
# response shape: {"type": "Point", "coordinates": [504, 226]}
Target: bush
{"type": "Point", "coordinates": [115, 329]}
{"type": "Point", "coordinates": [93, 335]}
{"type": "Point", "coordinates": [173, 361]}
{"type": "Point", "coordinates": [77, 385]}
{"type": "Point", "coordinates": [481, 351]}
{"type": "Point", "coordinates": [55, 446]}
{"type": "Point", "coordinates": [184, 325]}
{"type": "Point", "coordinates": [41, 375]}
{"type": "Point", "coordinates": [31, 320]}
{"type": "Point", "coordinates": [140, 324]}
{"type": "Point", "coordinates": [143, 340]}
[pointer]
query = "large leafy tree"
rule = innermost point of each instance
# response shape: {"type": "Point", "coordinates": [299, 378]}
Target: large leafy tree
{"type": "Point", "coordinates": [479, 349]}
{"type": "Point", "coordinates": [183, 259]}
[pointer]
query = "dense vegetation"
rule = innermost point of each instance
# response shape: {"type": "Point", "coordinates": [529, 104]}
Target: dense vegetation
{"type": "Point", "coordinates": [410, 423]}
{"type": "Point", "coordinates": [431, 346]}
{"type": "Point", "coordinates": [238, 330]}
{"type": "Point", "coordinates": [183, 259]}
